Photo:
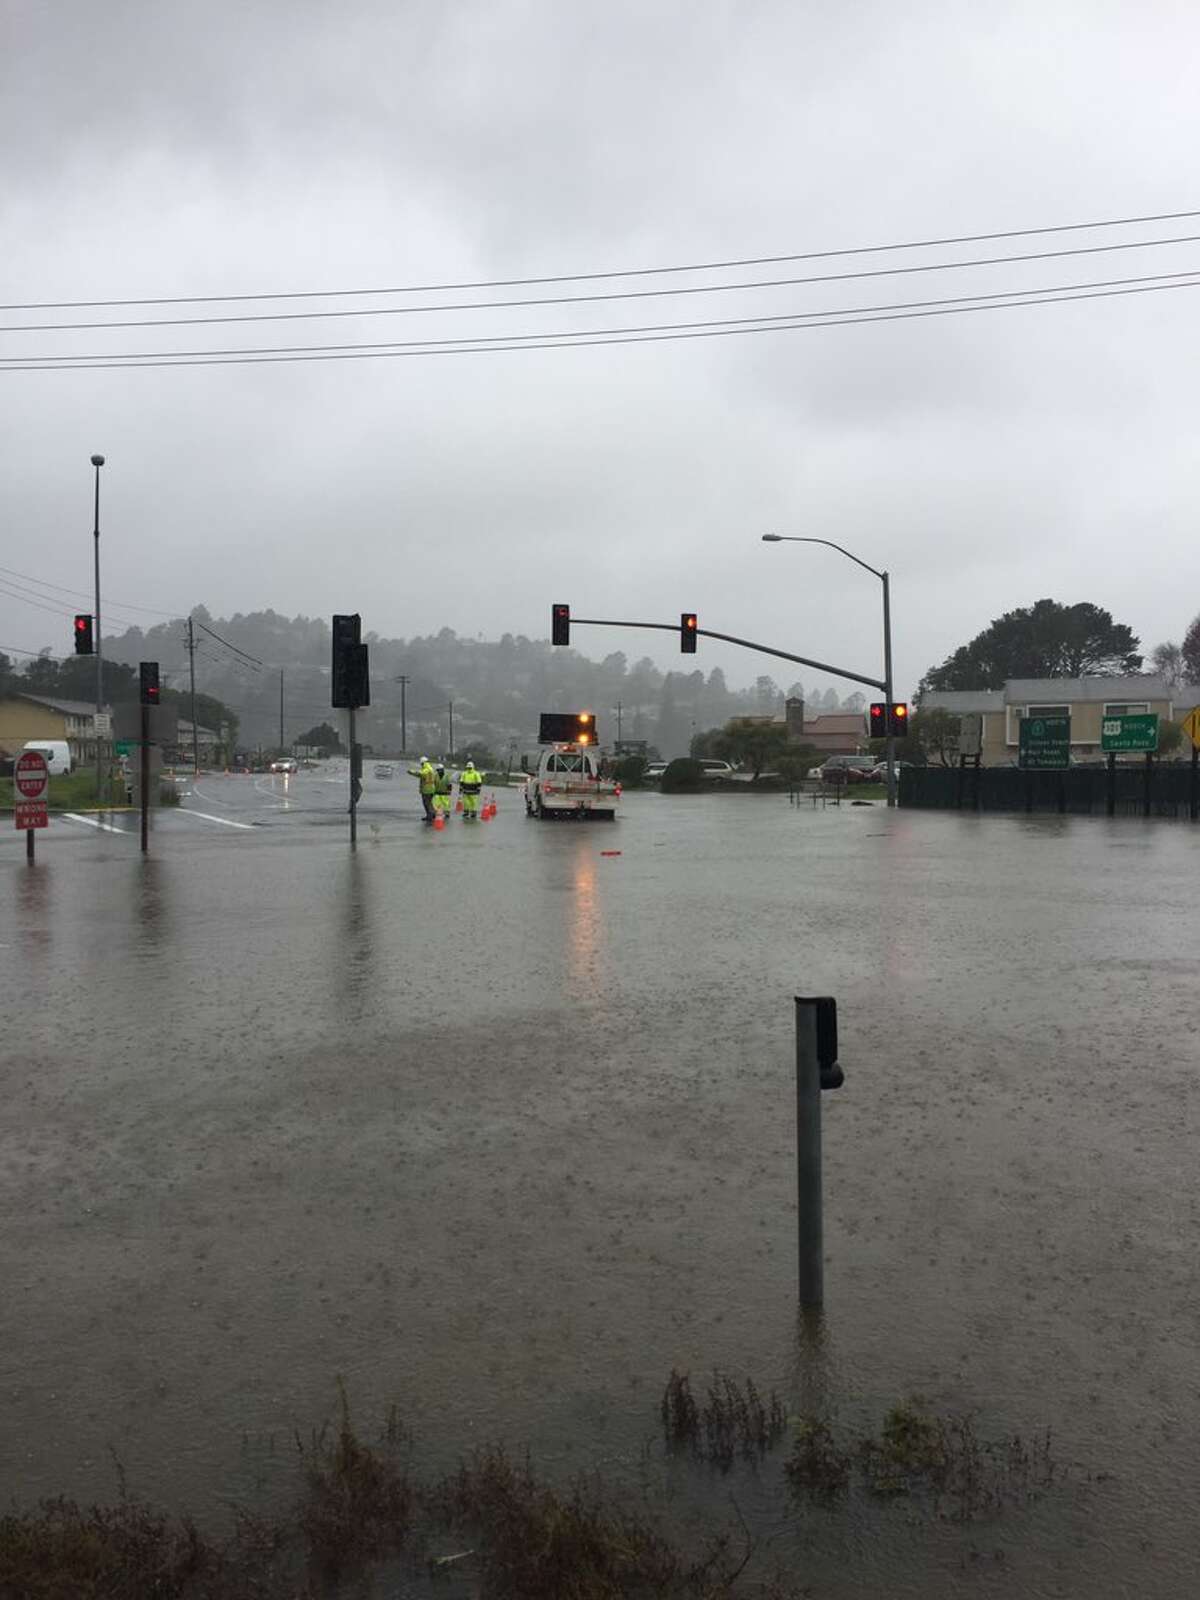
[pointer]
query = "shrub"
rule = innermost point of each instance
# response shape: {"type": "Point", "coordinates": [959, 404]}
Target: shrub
{"type": "Point", "coordinates": [682, 774]}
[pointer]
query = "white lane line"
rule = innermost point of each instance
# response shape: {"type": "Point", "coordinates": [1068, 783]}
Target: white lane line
{"type": "Point", "coordinates": [226, 822]}
{"type": "Point", "coordinates": [209, 799]}
{"type": "Point", "coordinates": [104, 825]}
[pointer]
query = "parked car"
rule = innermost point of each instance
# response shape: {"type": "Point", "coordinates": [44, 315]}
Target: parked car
{"type": "Point", "coordinates": [879, 770]}
{"type": "Point", "coordinates": [385, 770]}
{"type": "Point", "coordinates": [284, 764]}
{"type": "Point", "coordinates": [847, 769]}
{"type": "Point", "coordinates": [716, 771]}
{"type": "Point", "coordinates": [654, 771]}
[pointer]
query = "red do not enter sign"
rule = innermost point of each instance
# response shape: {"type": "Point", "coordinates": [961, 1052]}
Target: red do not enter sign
{"type": "Point", "coordinates": [30, 776]}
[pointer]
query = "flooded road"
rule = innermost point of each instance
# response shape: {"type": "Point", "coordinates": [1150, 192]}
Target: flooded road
{"type": "Point", "coordinates": [500, 1129]}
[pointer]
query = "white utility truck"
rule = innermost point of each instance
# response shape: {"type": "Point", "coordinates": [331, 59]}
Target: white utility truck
{"type": "Point", "coordinates": [567, 782]}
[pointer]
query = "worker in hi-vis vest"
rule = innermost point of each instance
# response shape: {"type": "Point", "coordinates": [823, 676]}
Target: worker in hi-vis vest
{"type": "Point", "coordinates": [427, 783]}
{"type": "Point", "coordinates": [470, 782]}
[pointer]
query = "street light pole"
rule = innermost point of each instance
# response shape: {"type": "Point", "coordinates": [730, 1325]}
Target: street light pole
{"type": "Point", "coordinates": [98, 462]}
{"type": "Point", "coordinates": [788, 538]}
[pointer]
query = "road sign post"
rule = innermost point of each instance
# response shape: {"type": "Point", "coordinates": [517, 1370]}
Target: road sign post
{"type": "Point", "coordinates": [30, 780]}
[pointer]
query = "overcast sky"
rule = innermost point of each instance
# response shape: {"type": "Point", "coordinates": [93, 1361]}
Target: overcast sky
{"type": "Point", "coordinates": [987, 459]}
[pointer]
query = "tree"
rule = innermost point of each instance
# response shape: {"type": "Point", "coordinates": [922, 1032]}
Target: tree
{"type": "Point", "coordinates": [1190, 652]}
{"type": "Point", "coordinates": [761, 746]}
{"type": "Point", "coordinates": [1167, 660]}
{"type": "Point", "coordinates": [1045, 640]}
{"type": "Point", "coordinates": [1170, 737]}
{"type": "Point", "coordinates": [323, 738]}
{"type": "Point", "coordinates": [936, 733]}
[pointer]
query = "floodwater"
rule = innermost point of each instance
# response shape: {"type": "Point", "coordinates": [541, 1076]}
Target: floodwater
{"type": "Point", "coordinates": [499, 1128]}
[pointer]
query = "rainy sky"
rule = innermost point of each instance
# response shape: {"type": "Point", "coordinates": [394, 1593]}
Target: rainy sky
{"type": "Point", "coordinates": [986, 457]}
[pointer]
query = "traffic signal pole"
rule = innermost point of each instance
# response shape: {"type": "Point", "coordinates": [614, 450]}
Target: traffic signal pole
{"type": "Point", "coordinates": [353, 784]}
{"type": "Point", "coordinates": [810, 1221]}
{"type": "Point", "coordinates": [887, 690]}
{"type": "Point", "coordinates": [145, 783]}
{"type": "Point", "coordinates": [732, 638]}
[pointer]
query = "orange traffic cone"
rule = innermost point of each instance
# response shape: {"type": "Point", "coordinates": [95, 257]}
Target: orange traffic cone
{"type": "Point", "coordinates": [439, 822]}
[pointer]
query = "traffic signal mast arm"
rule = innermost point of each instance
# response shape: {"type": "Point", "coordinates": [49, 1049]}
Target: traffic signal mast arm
{"type": "Point", "coordinates": [731, 638]}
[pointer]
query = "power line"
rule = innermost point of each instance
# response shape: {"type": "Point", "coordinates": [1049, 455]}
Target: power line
{"type": "Point", "coordinates": [622, 272]}
{"type": "Point", "coordinates": [43, 583]}
{"type": "Point", "coordinates": [535, 338]}
{"type": "Point", "coordinates": [235, 648]}
{"type": "Point", "coordinates": [475, 347]}
{"type": "Point", "coordinates": [587, 299]}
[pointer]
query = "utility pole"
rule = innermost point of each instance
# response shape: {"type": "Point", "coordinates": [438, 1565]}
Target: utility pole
{"type": "Point", "coordinates": [402, 680]}
{"type": "Point", "coordinates": [98, 462]}
{"type": "Point", "coordinates": [281, 710]}
{"type": "Point", "coordinates": [618, 722]}
{"type": "Point", "coordinates": [451, 750]}
{"type": "Point", "coordinates": [191, 650]}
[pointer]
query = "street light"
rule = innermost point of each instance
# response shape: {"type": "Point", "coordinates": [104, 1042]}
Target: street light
{"type": "Point", "coordinates": [98, 462]}
{"type": "Point", "coordinates": [787, 538]}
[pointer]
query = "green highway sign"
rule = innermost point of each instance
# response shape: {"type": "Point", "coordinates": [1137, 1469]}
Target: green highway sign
{"type": "Point", "coordinates": [1045, 742]}
{"type": "Point", "coordinates": [1130, 733]}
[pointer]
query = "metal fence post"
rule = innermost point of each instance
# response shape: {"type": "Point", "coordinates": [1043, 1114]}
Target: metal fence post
{"type": "Point", "coordinates": [808, 1156]}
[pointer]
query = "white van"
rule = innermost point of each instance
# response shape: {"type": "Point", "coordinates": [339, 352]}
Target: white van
{"type": "Point", "coordinates": [56, 752]}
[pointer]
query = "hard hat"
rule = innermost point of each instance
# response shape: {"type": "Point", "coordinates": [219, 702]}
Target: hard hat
{"type": "Point", "coordinates": [441, 766]}
{"type": "Point", "coordinates": [424, 760]}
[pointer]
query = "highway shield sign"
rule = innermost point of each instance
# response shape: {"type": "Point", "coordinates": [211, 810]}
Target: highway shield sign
{"type": "Point", "coordinates": [1138, 732]}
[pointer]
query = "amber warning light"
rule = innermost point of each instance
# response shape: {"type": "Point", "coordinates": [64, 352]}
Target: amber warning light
{"type": "Point", "coordinates": [568, 727]}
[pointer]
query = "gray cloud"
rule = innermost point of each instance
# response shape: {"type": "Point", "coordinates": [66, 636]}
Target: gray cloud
{"type": "Point", "coordinates": [985, 459]}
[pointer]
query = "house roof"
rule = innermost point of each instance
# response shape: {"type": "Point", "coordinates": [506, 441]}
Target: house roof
{"type": "Point", "coordinates": [835, 722]}
{"type": "Point", "coordinates": [1054, 691]}
{"type": "Point", "coordinates": [1046, 691]}
{"type": "Point", "coordinates": [963, 702]}
{"type": "Point", "coordinates": [70, 708]}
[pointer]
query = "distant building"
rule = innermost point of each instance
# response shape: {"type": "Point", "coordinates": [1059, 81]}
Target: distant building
{"type": "Point", "coordinates": [24, 717]}
{"type": "Point", "coordinates": [833, 733]}
{"type": "Point", "coordinates": [1087, 701]}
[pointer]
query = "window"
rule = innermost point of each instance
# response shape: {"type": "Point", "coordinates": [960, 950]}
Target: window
{"type": "Point", "coordinates": [565, 763]}
{"type": "Point", "coordinates": [1125, 708]}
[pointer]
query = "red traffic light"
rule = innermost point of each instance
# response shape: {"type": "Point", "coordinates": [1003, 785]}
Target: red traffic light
{"type": "Point", "coordinates": [878, 719]}
{"type": "Point", "coordinates": [560, 624]}
{"type": "Point", "coordinates": [84, 641]}
{"type": "Point", "coordinates": [687, 633]}
{"type": "Point", "coordinates": [148, 682]}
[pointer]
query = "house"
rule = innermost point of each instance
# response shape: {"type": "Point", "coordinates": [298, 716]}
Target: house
{"type": "Point", "coordinates": [833, 733]}
{"type": "Point", "coordinates": [1087, 701]}
{"type": "Point", "coordinates": [206, 741]}
{"type": "Point", "coordinates": [24, 717]}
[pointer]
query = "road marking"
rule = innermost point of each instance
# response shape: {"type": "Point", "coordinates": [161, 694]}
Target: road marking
{"type": "Point", "coordinates": [95, 822]}
{"type": "Point", "coordinates": [226, 822]}
{"type": "Point", "coordinates": [210, 799]}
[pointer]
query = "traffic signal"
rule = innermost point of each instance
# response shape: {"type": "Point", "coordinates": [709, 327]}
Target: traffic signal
{"type": "Point", "coordinates": [687, 633]}
{"type": "Point", "coordinates": [560, 624]}
{"type": "Point", "coordinates": [898, 720]}
{"type": "Point", "coordinates": [879, 719]}
{"type": "Point", "coordinates": [350, 676]}
{"type": "Point", "coordinates": [148, 682]}
{"type": "Point", "coordinates": [85, 644]}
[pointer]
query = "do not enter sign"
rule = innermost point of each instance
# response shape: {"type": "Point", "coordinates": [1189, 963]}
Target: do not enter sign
{"type": "Point", "coordinates": [29, 779]}
{"type": "Point", "coordinates": [30, 775]}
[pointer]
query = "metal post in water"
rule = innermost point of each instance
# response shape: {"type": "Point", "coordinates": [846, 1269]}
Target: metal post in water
{"type": "Point", "coordinates": [1112, 784]}
{"type": "Point", "coordinates": [145, 777]}
{"type": "Point", "coordinates": [353, 786]}
{"type": "Point", "coordinates": [1192, 798]}
{"type": "Point", "coordinates": [808, 1156]}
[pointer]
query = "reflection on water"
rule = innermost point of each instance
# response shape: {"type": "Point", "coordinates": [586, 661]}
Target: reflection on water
{"type": "Point", "coordinates": [152, 906]}
{"type": "Point", "coordinates": [352, 963]}
{"type": "Point", "coordinates": [34, 893]}
{"type": "Point", "coordinates": [583, 925]}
